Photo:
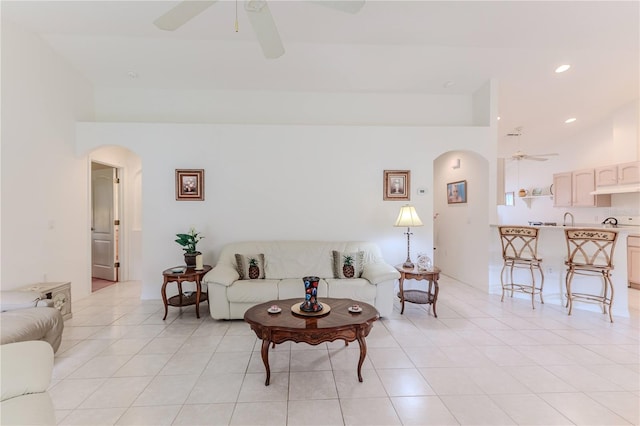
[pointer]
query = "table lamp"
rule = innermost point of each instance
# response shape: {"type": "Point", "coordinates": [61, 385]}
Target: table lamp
{"type": "Point", "coordinates": [408, 217]}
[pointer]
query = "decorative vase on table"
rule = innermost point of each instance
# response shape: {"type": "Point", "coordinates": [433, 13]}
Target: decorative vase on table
{"type": "Point", "coordinates": [190, 259]}
{"type": "Point", "coordinates": [311, 303]}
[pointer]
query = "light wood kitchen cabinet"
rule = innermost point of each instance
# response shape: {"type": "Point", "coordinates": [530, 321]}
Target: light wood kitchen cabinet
{"type": "Point", "coordinates": [629, 173]}
{"type": "Point", "coordinates": [633, 261]}
{"type": "Point", "coordinates": [607, 176]}
{"type": "Point", "coordinates": [562, 189]}
{"type": "Point", "coordinates": [618, 174]}
{"type": "Point", "coordinates": [573, 189]}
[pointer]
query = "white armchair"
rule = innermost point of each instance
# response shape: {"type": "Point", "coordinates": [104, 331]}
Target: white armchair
{"type": "Point", "coordinates": [26, 374]}
{"type": "Point", "coordinates": [25, 316]}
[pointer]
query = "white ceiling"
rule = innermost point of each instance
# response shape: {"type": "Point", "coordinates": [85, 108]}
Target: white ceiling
{"type": "Point", "coordinates": [387, 47]}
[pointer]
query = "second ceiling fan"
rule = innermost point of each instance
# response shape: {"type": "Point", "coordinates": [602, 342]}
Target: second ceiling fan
{"type": "Point", "coordinates": [520, 155]}
{"type": "Point", "coordinates": [259, 16]}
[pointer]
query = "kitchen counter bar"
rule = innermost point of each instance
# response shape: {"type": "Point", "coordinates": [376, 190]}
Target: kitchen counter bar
{"type": "Point", "coordinates": [552, 248]}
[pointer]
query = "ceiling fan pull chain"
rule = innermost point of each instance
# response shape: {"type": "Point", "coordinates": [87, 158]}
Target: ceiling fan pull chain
{"type": "Point", "coordinates": [236, 23]}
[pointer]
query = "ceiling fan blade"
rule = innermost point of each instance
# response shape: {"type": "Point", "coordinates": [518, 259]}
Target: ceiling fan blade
{"type": "Point", "coordinates": [182, 13]}
{"type": "Point", "coordinates": [545, 155]}
{"type": "Point", "coordinates": [348, 6]}
{"type": "Point", "coordinates": [265, 28]}
{"type": "Point", "coordinates": [531, 157]}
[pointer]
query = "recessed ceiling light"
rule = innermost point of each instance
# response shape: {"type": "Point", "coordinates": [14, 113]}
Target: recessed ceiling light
{"type": "Point", "coordinates": [498, 117]}
{"type": "Point", "coordinates": [448, 83]}
{"type": "Point", "coordinates": [132, 74]}
{"type": "Point", "coordinates": [563, 68]}
{"type": "Point", "coordinates": [570, 120]}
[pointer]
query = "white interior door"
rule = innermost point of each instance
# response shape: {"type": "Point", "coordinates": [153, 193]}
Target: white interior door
{"type": "Point", "coordinates": [103, 223]}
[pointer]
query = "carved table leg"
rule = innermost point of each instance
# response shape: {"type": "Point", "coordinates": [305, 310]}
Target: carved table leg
{"type": "Point", "coordinates": [363, 353]}
{"type": "Point", "coordinates": [198, 291]}
{"type": "Point", "coordinates": [265, 359]}
{"type": "Point", "coordinates": [164, 298]}
{"type": "Point", "coordinates": [401, 287]}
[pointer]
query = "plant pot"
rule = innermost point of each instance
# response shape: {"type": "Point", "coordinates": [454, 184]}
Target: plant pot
{"type": "Point", "coordinates": [190, 259]}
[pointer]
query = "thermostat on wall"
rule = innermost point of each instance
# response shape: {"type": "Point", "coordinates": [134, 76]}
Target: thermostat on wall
{"type": "Point", "coordinates": [422, 191]}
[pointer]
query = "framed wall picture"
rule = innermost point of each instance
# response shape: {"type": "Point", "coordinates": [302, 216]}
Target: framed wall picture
{"type": "Point", "coordinates": [397, 185]}
{"type": "Point", "coordinates": [509, 199]}
{"type": "Point", "coordinates": [189, 184]}
{"type": "Point", "coordinates": [457, 192]}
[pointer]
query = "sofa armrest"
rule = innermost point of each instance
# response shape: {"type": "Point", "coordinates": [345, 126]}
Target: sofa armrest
{"type": "Point", "coordinates": [379, 272]}
{"type": "Point", "coordinates": [26, 368]}
{"type": "Point", "coordinates": [223, 275]}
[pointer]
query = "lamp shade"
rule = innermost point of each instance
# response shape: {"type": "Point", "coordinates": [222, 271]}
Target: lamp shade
{"type": "Point", "coordinates": [408, 217]}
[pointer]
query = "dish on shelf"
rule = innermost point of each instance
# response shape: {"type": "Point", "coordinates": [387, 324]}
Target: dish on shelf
{"type": "Point", "coordinates": [274, 309]}
{"type": "Point", "coordinates": [536, 191]}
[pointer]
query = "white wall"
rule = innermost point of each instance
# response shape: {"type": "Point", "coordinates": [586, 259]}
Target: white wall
{"type": "Point", "coordinates": [265, 107]}
{"type": "Point", "coordinates": [281, 182]}
{"type": "Point", "coordinates": [44, 185]}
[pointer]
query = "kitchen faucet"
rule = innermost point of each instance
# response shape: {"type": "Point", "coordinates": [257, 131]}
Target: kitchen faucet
{"type": "Point", "coordinates": [564, 219]}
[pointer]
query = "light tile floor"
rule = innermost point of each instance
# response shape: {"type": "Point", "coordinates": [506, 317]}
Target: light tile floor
{"type": "Point", "coordinates": [480, 362]}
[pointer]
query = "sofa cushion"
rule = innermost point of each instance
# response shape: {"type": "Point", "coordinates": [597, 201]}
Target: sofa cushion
{"type": "Point", "coordinates": [252, 291]}
{"type": "Point", "coordinates": [292, 288]}
{"type": "Point", "coordinates": [356, 289]}
{"type": "Point", "coordinates": [250, 267]}
{"type": "Point", "coordinates": [348, 265]}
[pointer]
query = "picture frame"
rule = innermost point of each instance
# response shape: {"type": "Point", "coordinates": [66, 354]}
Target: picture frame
{"type": "Point", "coordinates": [509, 199]}
{"type": "Point", "coordinates": [457, 192]}
{"type": "Point", "coordinates": [397, 185]}
{"type": "Point", "coordinates": [189, 184]}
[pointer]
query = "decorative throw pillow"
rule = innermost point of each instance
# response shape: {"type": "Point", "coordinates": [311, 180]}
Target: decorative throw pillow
{"type": "Point", "coordinates": [348, 265]}
{"type": "Point", "coordinates": [250, 267]}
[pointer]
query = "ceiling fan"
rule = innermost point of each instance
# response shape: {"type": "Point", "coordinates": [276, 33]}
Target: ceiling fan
{"type": "Point", "coordinates": [259, 15]}
{"type": "Point", "coordinates": [519, 155]}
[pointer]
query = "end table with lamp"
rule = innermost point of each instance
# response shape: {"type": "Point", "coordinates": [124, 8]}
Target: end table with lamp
{"type": "Point", "coordinates": [429, 297]}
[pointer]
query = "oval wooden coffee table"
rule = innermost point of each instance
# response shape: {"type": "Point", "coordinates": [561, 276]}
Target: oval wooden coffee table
{"type": "Point", "coordinates": [338, 324]}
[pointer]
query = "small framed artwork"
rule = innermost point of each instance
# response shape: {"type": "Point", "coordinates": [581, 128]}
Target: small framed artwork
{"type": "Point", "coordinates": [397, 185]}
{"type": "Point", "coordinates": [509, 199]}
{"type": "Point", "coordinates": [189, 184]}
{"type": "Point", "coordinates": [457, 192]}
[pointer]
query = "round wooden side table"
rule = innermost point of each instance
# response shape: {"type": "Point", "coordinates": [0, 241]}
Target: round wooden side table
{"type": "Point", "coordinates": [190, 274]}
{"type": "Point", "coordinates": [429, 297]}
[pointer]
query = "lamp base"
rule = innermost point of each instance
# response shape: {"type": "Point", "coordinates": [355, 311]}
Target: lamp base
{"type": "Point", "coordinates": [408, 265]}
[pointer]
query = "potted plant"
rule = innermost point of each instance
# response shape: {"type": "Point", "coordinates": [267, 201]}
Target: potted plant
{"type": "Point", "coordinates": [188, 243]}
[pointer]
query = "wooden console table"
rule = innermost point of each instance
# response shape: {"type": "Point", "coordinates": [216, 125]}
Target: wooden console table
{"type": "Point", "coordinates": [429, 297]}
{"type": "Point", "coordinates": [190, 274]}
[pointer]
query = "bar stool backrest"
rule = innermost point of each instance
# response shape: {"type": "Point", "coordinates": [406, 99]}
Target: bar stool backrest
{"type": "Point", "coordinates": [590, 248]}
{"type": "Point", "coordinates": [519, 242]}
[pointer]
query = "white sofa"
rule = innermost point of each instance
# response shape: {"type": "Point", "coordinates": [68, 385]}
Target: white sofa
{"type": "Point", "coordinates": [26, 375]}
{"type": "Point", "coordinates": [285, 264]}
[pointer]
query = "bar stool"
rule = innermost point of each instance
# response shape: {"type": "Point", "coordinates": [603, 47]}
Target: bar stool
{"type": "Point", "coordinates": [590, 253]}
{"type": "Point", "coordinates": [520, 251]}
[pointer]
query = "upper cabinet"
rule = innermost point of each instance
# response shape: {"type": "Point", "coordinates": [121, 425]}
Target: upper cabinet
{"type": "Point", "coordinates": [629, 173]}
{"type": "Point", "coordinates": [618, 174]}
{"type": "Point", "coordinates": [574, 189]}
{"type": "Point", "coordinates": [562, 189]}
